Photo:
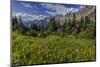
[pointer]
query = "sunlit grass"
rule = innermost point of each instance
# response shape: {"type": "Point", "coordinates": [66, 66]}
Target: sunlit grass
{"type": "Point", "coordinates": [51, 49]}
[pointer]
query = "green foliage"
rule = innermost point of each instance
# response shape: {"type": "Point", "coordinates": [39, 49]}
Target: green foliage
{"type": "Point", "coordinates": [66, 27]}
{"type": "Point", "coordinates": [52, 49]}
{"type": "Point", "coordinates": [34, 27]}
{"type": "Point", "coordinates": [73, 41]}
{"type": "Point", "coordinates": [15, 24]}
{"type": "Point", "coordinates": [52, 25]}
{"type": "Point", "coordinates": [22, 28]}
{"type": "Point", "coordinates": [84, 28]}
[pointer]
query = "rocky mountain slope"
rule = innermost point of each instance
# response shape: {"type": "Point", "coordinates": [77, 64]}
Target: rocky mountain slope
{"type": "Point", "coordinates": [89, 11]}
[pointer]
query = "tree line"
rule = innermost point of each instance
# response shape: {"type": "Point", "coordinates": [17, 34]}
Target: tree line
{"type": "Point", "coordinates": [85, 28]}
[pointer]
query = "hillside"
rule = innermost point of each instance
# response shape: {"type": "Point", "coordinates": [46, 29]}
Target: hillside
{"type": "Point", "coordinates": [89, 11]}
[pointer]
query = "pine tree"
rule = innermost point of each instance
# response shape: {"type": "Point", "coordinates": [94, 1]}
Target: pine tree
{"type": "Point", "coordinates": [15, 24]}
{"type": "Point", "coordinates": [22, 28]}
{"type": "Point", "coordinates": [52, 25]}
{"type": "Point", "coordinates": [34, 29]}
{"type": "Point", "coordinates": [73, 24]}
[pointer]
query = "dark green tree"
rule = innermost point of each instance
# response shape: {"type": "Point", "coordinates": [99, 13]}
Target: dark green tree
{"type": "Point", "coordinates": [73, 24]}
{"type": "Point", "coordinates": [15, 23]}
{"type": "Point", "coordinates": [22, 28]}
{"type": "Point", "coordinates": [34, 29]}
{"type": "Point", "coordinates": [52, 25]}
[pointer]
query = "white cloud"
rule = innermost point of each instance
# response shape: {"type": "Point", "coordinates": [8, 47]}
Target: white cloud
{"type": "Point", "coordinates": [51, 13]}
{"type": "Point", "coordinates": [26, 16]}
{"type": "Point", "coordinates": [81, 7]}
{"type": "Point", "coordinates": [27, 5]}
{"type": "Point", "coordinates": [58, 9]}
{"type": "Point", "coordinates": [73, 10]}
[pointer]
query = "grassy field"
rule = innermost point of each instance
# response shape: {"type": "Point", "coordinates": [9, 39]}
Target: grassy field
{"type": "Point", "coordinates": [27, 50]}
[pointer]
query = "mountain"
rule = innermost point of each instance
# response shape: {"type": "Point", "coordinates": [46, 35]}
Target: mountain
{"type": "Point", "coordinates": [41, 23]}
{"type": "Point", "coordinates": [89, 11]}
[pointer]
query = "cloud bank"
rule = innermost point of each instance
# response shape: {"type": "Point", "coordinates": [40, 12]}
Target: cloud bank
{"type": "Point", "coordinates": [39, 11]}
{"type": "Point", "coordinates": [30, 17]}
{"type": "Point", "coordinates": [58, 9]}
{"type": "Point", "coordinates": [27, 5]}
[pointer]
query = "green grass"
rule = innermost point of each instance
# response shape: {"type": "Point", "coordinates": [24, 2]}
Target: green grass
{"type": "Point", "coordinates": [28, 50]}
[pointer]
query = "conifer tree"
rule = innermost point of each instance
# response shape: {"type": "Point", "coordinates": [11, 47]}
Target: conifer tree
{"type": "Point", "coordinates": [22, 28]}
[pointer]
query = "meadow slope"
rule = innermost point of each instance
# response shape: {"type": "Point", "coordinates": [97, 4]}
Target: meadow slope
{"type": "Point", "coordinates": [27, 50]}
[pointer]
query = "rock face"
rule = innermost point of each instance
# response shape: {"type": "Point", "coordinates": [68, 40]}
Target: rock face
{"type": "Point", "coordinates": [89, 11]}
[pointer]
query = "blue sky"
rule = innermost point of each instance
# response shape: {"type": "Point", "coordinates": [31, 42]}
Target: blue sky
{"type": "Point", "coordinates": [38, 11]}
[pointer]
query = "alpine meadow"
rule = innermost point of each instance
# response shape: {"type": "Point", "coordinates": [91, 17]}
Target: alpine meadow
{"type": "Point", "coordinates": [51, 33]}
